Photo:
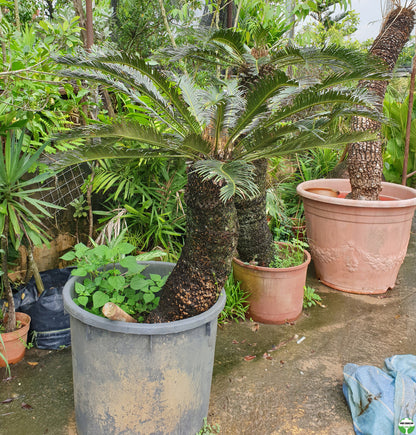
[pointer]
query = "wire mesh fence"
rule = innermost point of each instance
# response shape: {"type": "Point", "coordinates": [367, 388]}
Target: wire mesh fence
{"type": "Point", "coordinates": [64, 187]}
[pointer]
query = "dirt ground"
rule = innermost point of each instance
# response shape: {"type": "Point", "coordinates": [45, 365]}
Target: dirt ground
{"type": "Point", "coordinates": [292, 386]}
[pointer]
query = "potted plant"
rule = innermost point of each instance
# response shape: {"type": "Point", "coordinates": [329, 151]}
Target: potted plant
{"type": "Point", "coordinates": [171, 363]}
{"type": "Point", "coordinates": [220, 130]}
{"type": "Point", "coordinates": [358, 236]}
{"type": "Point", "coordinates": [275, 292]}
{"type": "Point", "coordinates": [20, 220]}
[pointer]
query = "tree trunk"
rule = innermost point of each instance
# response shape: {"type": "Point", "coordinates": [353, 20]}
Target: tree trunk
{"type": "Point", "coordinates": [205, 261]}
{"type": "Point", "coordinates": [365, 164]}
{"type": "Point", "coordinates": [79, 11]}
{"type": "Point", "coordinates": [11, 321]}
{"type": "Point", "coordinates": [255, 238]}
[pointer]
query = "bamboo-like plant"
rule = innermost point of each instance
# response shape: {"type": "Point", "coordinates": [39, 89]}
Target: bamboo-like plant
{"type": "Point", "coordinates": [220, 130]}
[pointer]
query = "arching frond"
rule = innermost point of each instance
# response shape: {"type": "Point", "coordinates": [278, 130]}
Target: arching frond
{"type": "Point", "coordinates": [158, 107]}
{"type": "Point", "coordinates": [311, 98]}
{"type": "Point", "coordinates": [236, 177]}
{"type": "Point", "coordinates": [166, 87]}
{"type": "Point", "coordinates": [257, 100]}
{"type": "Point", "coordinates": [335, 57]}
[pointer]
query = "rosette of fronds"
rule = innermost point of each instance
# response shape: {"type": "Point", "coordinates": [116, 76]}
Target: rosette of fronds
{"type": "Point", "coordinates": [223, 127]}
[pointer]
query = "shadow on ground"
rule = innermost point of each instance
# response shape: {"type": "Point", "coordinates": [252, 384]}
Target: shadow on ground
{"type": "Point", "coordinates": [292, 386]}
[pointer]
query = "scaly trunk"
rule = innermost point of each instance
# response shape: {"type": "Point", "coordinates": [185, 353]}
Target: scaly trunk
{"type": "Point", "coordinates": [255, 238]}
{"type": "Point", "coordinates": [365, 164]}
{"type": "Point", "coordinates": [205, 261]}
{"type": "Point", "coordinates": [11, 321]}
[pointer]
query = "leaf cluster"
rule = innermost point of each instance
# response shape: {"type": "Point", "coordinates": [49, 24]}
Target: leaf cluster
{"type": "Point", "coordinates": [18, 193]}
{"type": "Point", "coordinates": [104, 281]}
{"type": "Point", "coordinates": [288, 254]}
{"type": "Point", "coordinates": [236, 305]}
{"type": "Point", "coordinates": [310, 297]}
{"type": "Point", "coordinates": [223, 126]}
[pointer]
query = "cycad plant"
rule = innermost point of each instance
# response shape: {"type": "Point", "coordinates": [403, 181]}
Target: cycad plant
{"type": "Point", "coordinates": [220, 130]}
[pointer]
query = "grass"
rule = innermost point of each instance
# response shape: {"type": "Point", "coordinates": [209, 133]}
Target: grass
{"type": "Point", "coordinates": [236, 306]}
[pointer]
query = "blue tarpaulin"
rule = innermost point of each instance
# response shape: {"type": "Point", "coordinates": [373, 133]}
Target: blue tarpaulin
{"type": "Point", "coordinates": [380, 398]}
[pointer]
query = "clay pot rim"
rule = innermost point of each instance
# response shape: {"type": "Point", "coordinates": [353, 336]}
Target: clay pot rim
{"type": "Point", "coordinates": [274, 269]}
{"type": "Point", "coordinates": [343, 185]}
{"type": "Point", "coordinates": [17, 333]}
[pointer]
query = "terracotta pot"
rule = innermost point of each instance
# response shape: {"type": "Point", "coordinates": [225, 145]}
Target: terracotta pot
{"type": "Point", "coordinates": [15, 342]}
{"type": "Point", "coordinates": [358, 246]}
{"type": "Point", "coordinates": [275, 295]}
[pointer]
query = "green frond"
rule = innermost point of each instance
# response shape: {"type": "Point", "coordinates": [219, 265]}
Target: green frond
{"type": "Point", "coordinates": [310, 98]}
{"type": "Point", "coordinates": [194, 98]}
{"type": "Point", "coordinates": [129, 130]}
{"type": "Point", "coordinates": [135, 66]}
{"type": "Point", "coordinates": [258, 98]}
{"type": "Point", "coordinates": [307, 141]}
{"type": "Point", "coordinates": [236, 177]}
{"type": "Point", "coordinates": [195, 145]}
{"type": "Point", "coordinates": [158, 107]}
{"type": "Point", "coordinates": [335, 57]}
{"type": "Point", "coordinates": [230, 39]}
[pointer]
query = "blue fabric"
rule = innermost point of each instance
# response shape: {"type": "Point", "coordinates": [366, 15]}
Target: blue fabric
{"type": "Point", "coordinates": [379, 398]}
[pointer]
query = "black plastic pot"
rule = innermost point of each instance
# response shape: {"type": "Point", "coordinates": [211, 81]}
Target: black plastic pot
{"type": "Point", "coordinates": [141, 378]}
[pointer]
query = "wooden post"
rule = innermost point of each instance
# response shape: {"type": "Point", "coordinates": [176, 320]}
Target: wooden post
{"type": "Point", "coordinates": [114, 312]}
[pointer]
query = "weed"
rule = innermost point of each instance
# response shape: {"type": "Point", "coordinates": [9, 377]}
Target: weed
{"type": "Point", "coordinates": [310, 297]}
{"type": "Point", "coordinates": [236, 305]}
{"type": "Point", "coordinates": [289, 255]}
{"type": "Point", "coordinates": [208, 429]}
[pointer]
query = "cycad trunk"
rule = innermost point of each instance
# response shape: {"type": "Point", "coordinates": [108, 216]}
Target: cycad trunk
{"type": "Point", "coordinates": [255, 239]}
{"type": "Point", "coordinates": [365, 164]}
{"type": "Point", "coordinates": [205, 261]}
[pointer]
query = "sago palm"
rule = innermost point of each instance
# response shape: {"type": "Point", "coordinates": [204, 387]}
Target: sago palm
{"type": "Point", "coordinates": [219, 130]}
{"type": "Point", "coordinates": [249, 65]}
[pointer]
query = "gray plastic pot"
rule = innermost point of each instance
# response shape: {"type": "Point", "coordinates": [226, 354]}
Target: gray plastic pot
{"type": "Point", "coordinates": [141, 378]}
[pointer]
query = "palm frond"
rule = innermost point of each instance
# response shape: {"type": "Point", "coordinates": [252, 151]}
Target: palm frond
{"type": "Point", "coordinates": [230, 40]}
{"type": "Point", "coordinates": [307, 141]}
{"type": "Point", "coordinates": [235, 177]}
{"type": "Point", "coordinates": [165, 86]}
{"type": "Point", "coordinates": [158, 107]}
{"type": "Point", "coordinates": [194, 98]}
{"type": "Point", "coordinates": [335, 57]}
{"type": "Point", "coordinates": [258, 98]}
{"type": "Point", "coordinates": [309, 98]}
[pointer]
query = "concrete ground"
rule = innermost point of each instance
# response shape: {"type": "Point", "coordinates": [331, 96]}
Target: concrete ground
{"type": "Point", "coordinates": [290, 387]}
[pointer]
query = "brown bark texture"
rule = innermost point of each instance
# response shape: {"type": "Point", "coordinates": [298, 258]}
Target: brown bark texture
{"type": "Point", "coordinates": [365, 164]}
{"type": "Point", "coordinates": [255, 239]}
{"type": "Point", "coordinates": [11, 321]}
{"type": "Point", "coordinates": [205, 262]}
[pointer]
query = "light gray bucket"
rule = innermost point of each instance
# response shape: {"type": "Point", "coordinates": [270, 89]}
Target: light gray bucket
{"type": "Point", "coordinates": [141, 378]}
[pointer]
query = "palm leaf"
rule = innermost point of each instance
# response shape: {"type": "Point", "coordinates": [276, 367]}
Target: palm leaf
{"type": "Point", "coordinates": [257, 100]}
{"type": "Point", "coordinates": [162, 83]}
{"type": "Point", "coordinates": [236, 177]}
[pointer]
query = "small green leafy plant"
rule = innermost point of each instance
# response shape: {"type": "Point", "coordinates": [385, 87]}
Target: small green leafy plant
{"type": "Point", "coordinates": [310, 297]}
{"type": "Point", "coordinates": [104, 282]}
{"type": "Point", "coordinates": [208, 429]}
{"type": "Point", "coordinates": [289, 254]}
{"type": "Point", "coordinates": [8, 371]}
{"type": "Point", "coordinates": [236, 305]}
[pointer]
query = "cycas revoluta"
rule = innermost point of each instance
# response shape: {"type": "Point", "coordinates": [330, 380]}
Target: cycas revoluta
{"type": "Point", "coordinates": [220, 130]}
